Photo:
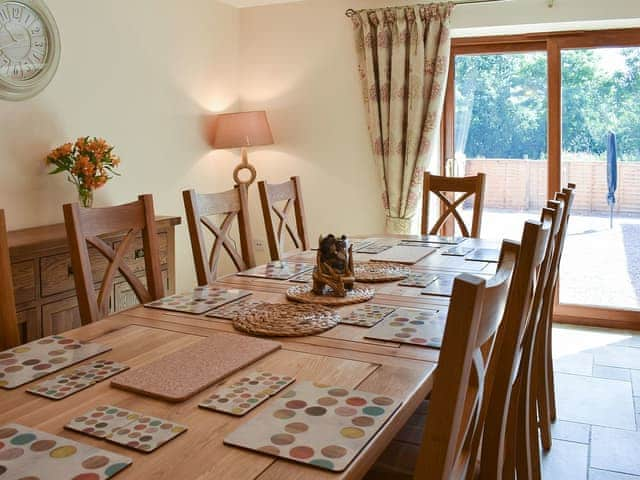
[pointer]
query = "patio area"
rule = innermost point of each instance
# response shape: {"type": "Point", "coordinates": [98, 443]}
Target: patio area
{"type": "Point", "coordinates": [610, 277]}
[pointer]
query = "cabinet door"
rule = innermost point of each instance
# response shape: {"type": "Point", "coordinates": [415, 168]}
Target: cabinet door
{"type": "Point", "coordinates": [124, 297]}
{"type": "Point", "coordinates": [24, 281]}
{"type": "Point", "coordinates": [29, 325]}
{"type": "Point", "coordinates": [59, 317]}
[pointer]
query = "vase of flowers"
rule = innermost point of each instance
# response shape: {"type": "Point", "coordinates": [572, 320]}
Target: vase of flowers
{"type": "Point", "coordinates": [89, 163]}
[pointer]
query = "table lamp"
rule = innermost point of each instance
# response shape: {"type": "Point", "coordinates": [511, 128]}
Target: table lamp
{"type": "Point", "coordinates": [241, 130]}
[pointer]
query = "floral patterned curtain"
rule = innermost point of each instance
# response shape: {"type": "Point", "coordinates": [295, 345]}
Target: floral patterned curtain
{"type": "Point", "coordinates": [403, 56]}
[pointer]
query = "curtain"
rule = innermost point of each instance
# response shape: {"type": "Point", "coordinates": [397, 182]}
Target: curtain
{"type": "Point", "coordinates": [403, 61]}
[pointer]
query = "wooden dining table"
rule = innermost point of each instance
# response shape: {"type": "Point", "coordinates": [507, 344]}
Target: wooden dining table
{"type": "Point", "coordinates": [340, 356]}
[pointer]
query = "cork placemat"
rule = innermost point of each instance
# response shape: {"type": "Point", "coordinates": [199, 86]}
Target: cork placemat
{"type": "Point", "coordinates": [180, 375]}
{"type": "Point", "coordinates": [403, 254]}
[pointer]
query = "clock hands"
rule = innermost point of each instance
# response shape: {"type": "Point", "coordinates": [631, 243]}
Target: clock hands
{"type": "Point", "coordinates": [13, 39]}
{"type": "Point", "coordinates": [4, 27]}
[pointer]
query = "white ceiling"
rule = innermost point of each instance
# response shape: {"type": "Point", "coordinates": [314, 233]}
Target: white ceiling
{"type": "Point", "coordinates": [255, 3]}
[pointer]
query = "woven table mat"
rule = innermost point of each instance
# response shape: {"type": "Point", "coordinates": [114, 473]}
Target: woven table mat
{"type": "Point", "coordinates": [286, 320]}
{"type": "Point", "coordinates": [304, 294]}
{"type": "Point", "coordinates": [366, 272]}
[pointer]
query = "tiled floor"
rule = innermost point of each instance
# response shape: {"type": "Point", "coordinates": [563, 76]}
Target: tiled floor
{"type": "Point", "coordinates": [597, 435]}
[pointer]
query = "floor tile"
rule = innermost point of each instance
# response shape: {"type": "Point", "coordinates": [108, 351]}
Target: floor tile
{"type": "Point", "coordinates": [635, 381]}
{"type": "Point", "coordinates": [632, 341]}
{"type": "Point", "coordinates": [612, 373]}
{"type": "Point", "coordinates": [595, 401]}
{"type": "Point", "coordinates": [615, 450]}
{"type": "Point", "coordinates": [576, 363]}
{"type": "Point", "coordinates": [614, 356]}
{"type": "Point", "coordinates": [566, 461]}
{"type": "Point", "coordinates": [606, 475]}
{"type": "Point", "coordinates": [570, 431]}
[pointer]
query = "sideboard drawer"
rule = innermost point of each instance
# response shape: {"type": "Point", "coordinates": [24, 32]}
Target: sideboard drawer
{"type": "Point", "coordinates": [56, 272]}
{"type": "Point", "coordinates": [24, 281]}
{"type": "Point", "coordinates": [135, 256]}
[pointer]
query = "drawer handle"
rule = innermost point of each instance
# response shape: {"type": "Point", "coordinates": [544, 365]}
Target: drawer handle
{"type": "Point", "coordinates": [69, 271]}
{"type": "Point", "coordinates": [139, 253]}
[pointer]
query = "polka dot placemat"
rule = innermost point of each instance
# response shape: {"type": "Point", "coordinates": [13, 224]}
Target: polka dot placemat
{"type": "Point", "coordinates": [34, 360]}
{"type": "Point", "coordinates": [305, 294]}
{"type": "Point", "coordinates": [127, 428]}
{"type": "Point", "coordinates": [286, 320]}
{"type": "Point", "coordinates": [407, 325]}
{"type": "Point", "coordinates": [277, 270]}
{"type": "Point", "coordinates": [368, 315]}
{"type": "Point", "coordinates": [28, 453]}
{"type": "Point", "coordinates": [82, 377]}
{"type": "Point", "coordinates": [245, 394]}
{"type": "Point", "coordinates": [379, 272]}
{"type": "Point", "coordinates": [201, 300]}
{"type": "Point", "coordinates": [315, 424]}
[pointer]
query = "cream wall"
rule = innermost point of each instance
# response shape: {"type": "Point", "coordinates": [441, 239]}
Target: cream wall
{"type": "Point", "coordinates": [299, 64]}
{"type": "Point", "coordinates": [140, 73]}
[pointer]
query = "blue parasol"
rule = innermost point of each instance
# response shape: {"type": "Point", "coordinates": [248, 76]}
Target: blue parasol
{"type": "Point", "coordinates": [612, 173]}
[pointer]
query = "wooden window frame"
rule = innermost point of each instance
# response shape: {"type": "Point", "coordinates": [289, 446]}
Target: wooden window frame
{"type": "Point", "coordinates": [552, 43]}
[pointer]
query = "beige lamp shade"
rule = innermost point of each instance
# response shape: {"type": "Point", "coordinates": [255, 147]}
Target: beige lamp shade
{"type": "Point", "coordinates": [242, 129]}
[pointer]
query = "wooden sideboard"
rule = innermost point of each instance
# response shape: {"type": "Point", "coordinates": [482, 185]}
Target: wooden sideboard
{"type": "Point", "coordinates": [43, 277]}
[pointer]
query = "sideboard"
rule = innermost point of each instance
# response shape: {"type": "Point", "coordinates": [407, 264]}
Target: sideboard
{"type": "Point", "coordinates": [43, 277]}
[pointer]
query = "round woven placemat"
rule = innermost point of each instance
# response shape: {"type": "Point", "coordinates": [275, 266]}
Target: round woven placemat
{"type": "Point", "coordinates": [304, 294]}
{"type": "Point", "coordinates": [286, 320]}
{"type": "Point", "coordinates": [369, 272]}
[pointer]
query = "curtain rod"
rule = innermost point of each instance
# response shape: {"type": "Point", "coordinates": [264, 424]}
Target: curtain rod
{"type": "Point", "coordinates": [351, 12]}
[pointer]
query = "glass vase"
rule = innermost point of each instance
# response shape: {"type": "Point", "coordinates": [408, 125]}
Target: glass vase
{"type": "Point", "coordinates": [85, 197]}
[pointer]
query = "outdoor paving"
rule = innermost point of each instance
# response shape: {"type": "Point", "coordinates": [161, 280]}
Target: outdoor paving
{"type": "Point", "coordinates": [601, 265]}
{"type": "Point", "coordinates": [597, 435]}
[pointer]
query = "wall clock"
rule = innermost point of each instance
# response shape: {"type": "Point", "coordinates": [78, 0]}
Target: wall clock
{"type": "Point", "coordinates": [29, 48]}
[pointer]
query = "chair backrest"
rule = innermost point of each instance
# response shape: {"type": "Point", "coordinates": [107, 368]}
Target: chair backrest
{"type": "Point", "coordinates": [441, 187]}
{"type": "Point", "coordinates": [475, 312]}
{"type": "Point", "coordinates": [567, 196]}
{"type": "Point", "coordinates": [9, 334]}
{"type": "Point", "coordinates": [233, 204]}
{"type": "Point", "coordinates": [84, 227]}
{"type": "Point", "coordinates": [510, 365]}
{"type": "Point", "coordinates": [290, 193]}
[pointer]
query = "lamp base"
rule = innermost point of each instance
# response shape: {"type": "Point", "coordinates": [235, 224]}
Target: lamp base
{"type": "Point", "coordinates": [244, 165]}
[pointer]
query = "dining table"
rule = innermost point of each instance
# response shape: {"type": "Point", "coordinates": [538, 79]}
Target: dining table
{"type": "Point", "coordinates": [340, 356]}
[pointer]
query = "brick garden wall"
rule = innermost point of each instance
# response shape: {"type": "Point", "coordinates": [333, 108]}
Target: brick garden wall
{"type": "Point", "coordinates": [521, 184]}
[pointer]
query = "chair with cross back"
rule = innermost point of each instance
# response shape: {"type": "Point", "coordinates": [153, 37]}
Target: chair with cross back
{"type": "Point", "coordinates": [445, 188]}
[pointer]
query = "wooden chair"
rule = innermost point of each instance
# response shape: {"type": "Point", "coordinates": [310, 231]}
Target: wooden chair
{"type": "Point", "coordinates": [290, 193]}
{"type": "Point", "coordinates": [9, 334]}
{"type": "Point", "coordinates": [447, 450]}
{"type": "Point", "coordinates": [232, 203]}
{"type": "Point", "coordinates": [85, 225]}
{"type": "Point", "coordinates": [506, 439]}
{"type": "Point", "coordinates": [441, 187]}
{"type": "Point", "coordinates": [544, 360]}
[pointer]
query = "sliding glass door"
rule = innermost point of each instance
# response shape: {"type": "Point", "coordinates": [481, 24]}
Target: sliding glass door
{"type": "Point", "coordinates": [601, 154]}
{"type": "Point", "coordinates": [501, 130]}
{"type": "Point", "coordinates": [535, 112]}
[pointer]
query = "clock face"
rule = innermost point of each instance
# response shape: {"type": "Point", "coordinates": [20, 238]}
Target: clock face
{"type": "Point", "coordinates": [28, 48]}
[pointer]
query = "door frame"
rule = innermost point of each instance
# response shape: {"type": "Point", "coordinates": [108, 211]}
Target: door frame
{"type": "Point", "coordinates": [553, 43]}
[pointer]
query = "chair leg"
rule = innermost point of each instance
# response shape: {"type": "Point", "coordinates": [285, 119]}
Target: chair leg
{"type": "Point", "coordinates": [551, 388]}
{"type": "Point", "coordinates": [543, 394]}
{"type": "Point", "coordinates": [534, 442]}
